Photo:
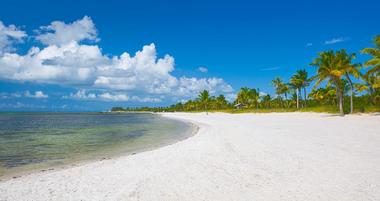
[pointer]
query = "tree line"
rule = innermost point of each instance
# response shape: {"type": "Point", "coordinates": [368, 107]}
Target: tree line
{"type": "Point", "coordinates": [335, 68]}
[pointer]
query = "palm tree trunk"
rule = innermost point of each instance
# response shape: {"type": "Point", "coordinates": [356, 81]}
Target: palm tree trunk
{"type": "Point", "coordinates": [372, 98]}
{"type": "Point", "coordinates": [340, 94]}
{"type": "Point", "coordinates": [352, 94]}
{"type": "Point", "coordinates": [298, 104]}
{"type": "Point", "coordinates": [304, 92]}
{"type": "Point", "coordinates": [300, 96]}
{"type": "Point", "coordinates": [286, 100]}
{"type": "Point", "coordinates": [341, 104]}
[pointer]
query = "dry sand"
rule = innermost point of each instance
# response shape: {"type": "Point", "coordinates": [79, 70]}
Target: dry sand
{"type": "Point", "coordinates": [288, 156]}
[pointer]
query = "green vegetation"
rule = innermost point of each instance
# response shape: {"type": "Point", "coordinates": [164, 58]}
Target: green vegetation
{"type": "Point", "coordinates": [335, 68]}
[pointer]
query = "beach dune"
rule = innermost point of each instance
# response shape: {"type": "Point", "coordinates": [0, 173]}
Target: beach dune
{"type": "Point", "coordinates": [276, 156]}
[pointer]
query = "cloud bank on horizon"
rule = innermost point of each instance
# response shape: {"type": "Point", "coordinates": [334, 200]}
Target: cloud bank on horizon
{"type": "Point", "coordinates": [68, 55]}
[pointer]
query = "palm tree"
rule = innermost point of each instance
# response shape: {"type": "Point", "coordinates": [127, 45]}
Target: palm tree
{"type": "Point", "coordinates": [248, 97]}
{"type": "Point", "coordinates": [266, 100]}
{"type": "Point", "coordinates": [372, 76]}
{"type": "Point", "coordinates": [254, 98]}
{"type": "Point", "coordinates": [285, 88]}
{"type": "Point", "coordinates": [204, 98]}
{"type": "Point", "coordinates": [324, 95]}
{"type": "Point", "coordinates": [349, 69]}
{"type": "Point", "coordinates": [296, 83]}
{"type": "Point", "coordinates": [279, 87]}
{"type": "Point", "coordinates": [300, 81]}
{"type": "Point", "coordinates": [277, 82]}
{"type": "Point", "coordinates": [221, 102]}
{"type": "Point", "coordinates": [329, 68]}
{"type": "Point", "coordinates": [305, 82]}
{"type": "Point", "coordinates": [371, 84]}
{"type": "Point", "coordinates": [375, 60]}
{"type": "Point", "coordinates": [243, 96]}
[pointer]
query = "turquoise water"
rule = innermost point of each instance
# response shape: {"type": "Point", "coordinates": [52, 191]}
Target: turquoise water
{"type": "Point", "coordinates": [39, 140]}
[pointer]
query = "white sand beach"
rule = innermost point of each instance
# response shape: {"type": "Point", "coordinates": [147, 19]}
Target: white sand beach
{"type": "Point", "coordinates": [276, 156]}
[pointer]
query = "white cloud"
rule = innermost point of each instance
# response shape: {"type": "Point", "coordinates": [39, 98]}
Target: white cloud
{"type": "Point", "coordinates": [230, 97]}
{"type": "Point", "coordinates": [336, 40]}
{"type": "Point", "coordinates": [270, 69]}
{"type": "Point", "coordinates": [143, 71]}
{"type": "Point", "coordinates": [262, 94]}
{"type": "Point", "coordinates": [37, 94]}
{"type": "Point", "coordinates": [203, 69]}
{"type": "Point", "coordinates": [19, 105]}
{"type": "Point", "coordinates": [60, 33]}
{"type": "Point", "coordinates": [190, 87]}
{"type": "Point", "coordinates": [64, 60]}
{"type": "Point", "coordinates": [16, 95]}
{"type": "Point", "coordinates": [9, 35]}
{"type": "Point", "coordinates": [81, 94]}
{"type": "Point", "coordinates": [113, 97]}
{"type": "Point", "coordinates": [107, 96]}
{"type": "Point", "coordinates": [146, 99]}
{"type": "Point", "coordinates": [309, 44]}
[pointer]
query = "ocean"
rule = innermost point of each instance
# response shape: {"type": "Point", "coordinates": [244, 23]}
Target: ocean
{"type": "Point", "coordinates": [35, 141]}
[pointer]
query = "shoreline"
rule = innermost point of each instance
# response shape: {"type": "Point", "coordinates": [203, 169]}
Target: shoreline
{"type": "Point", "coordinates": [21, 172]}
{"type": "Point", "coordinates": [282, 156]}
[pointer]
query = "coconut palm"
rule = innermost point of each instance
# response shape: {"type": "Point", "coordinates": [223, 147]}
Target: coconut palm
{"type": "Point", "coordinates": [280, 87]}
{"type": "Point", "coordinates": [266, 101]}
{"type": "Point", "coordinates": [303, 75]}
{"type": "Point", "coordinates": [243, 96]}
{"type": "Point", "coordinates": [324, 95]}
{"type": "Point", "coordinates": [221, 102]}
{"type": "Point", "coordinates": [204, 99]}
{"type": "Point", "coordinates": [375, 60]}
{"type": "Point", "coordinates": [296, 84]}
{"type": "Point", "coordinates": [372, 76]}
{"type": "Point", "coordinates": [349, 69]}
{"type": "Point", "coordinates": [190, 105]}
{"type": "Point", "coordinates": [372, 85]}
{"type": "Point", "coordinates": [285, 89]}
{"type": "Point", "coordinates": [277, 82]}
{"type": "Point", "coordinates": [299, 81]}
{"type": "Point", "coordinates": [329, 69]}
{"type": "Point", "coordinates": [254, 97]}
{"type": "Point", "coordinates": [248, 97]}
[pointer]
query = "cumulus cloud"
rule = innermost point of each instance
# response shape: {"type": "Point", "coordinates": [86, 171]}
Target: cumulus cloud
{"type": "Point", "coordinates": [107, 96]}
{"type": "Point", "coordinates": [81, 94]}
{"type": "Point", "coordinates": [190, 87]}
{"type": "Point", "coordinates": [37, 94]}
{"type": "Point", "coordinates": [143, 71]}
{"type": "Point", "coordinates": [336, 40]}
{"type": "Point", "coordinates": [71, 64]}
{"type": "Point", "coordinates": [26, 94]}
{"type": "Point", "coordinates": [60, 33]}
{"type": "Point", "coordinates": [203, 69]}
{"type": "Point", "coordinates": [8, 36]}
{"type": "Point", "coordinates": [230, 97]}
{"type": "Point", "coordinates": [65, 60]}
{"type": "Point", "coordinates": [146, 99]}
{"type": "Point", "coordinates": [114, 97]}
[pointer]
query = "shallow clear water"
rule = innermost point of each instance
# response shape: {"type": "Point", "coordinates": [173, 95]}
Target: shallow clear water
{"type": "Point", "coordinates": [38, 140]}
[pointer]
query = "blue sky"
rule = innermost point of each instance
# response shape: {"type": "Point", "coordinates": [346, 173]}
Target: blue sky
{"type": "Point", "coordinates": [72, 56]}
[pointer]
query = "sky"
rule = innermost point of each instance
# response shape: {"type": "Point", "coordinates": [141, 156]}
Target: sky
{"type": "Point", "coordinates": [92, 55]}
